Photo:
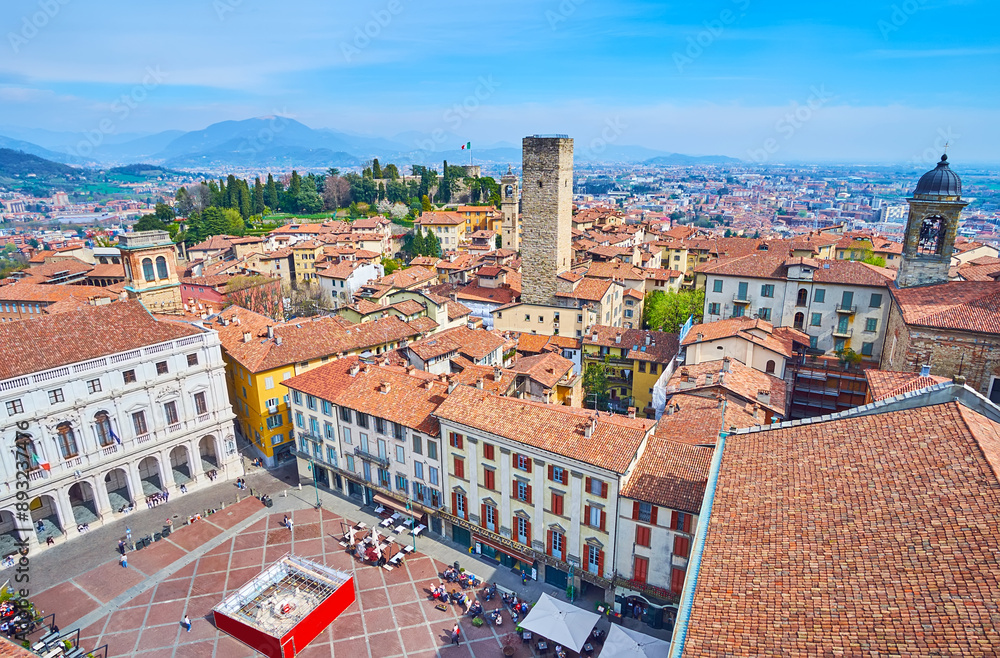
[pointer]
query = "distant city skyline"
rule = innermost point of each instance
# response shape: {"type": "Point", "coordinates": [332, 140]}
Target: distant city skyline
{"type": "Point", "coordinates": [867, 82]}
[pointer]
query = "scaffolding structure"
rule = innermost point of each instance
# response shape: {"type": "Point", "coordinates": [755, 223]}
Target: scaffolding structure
{"type": "Point", "coordinates": [287, 601]}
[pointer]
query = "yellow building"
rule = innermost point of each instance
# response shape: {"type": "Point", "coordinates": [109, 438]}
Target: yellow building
{"type": "Point", "coordinates": [449, 227]}
{"type": "Point", "coordinates": [481, 218]}
{"type": "Point", "coordinates": [261, 354]}
{"type": "Point", "coordinates": [304, 255]}
{"type": "Point", "coordinates": [635, 359]}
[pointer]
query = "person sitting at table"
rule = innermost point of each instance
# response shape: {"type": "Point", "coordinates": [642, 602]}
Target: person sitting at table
{"type": "Point", "coordinates": [450, 574]}
{"type": "Point", "coordinates": [476, 608]}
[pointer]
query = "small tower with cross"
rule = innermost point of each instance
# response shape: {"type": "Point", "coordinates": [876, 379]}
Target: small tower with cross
{"type": "Point", "coordinates": [509, 211]}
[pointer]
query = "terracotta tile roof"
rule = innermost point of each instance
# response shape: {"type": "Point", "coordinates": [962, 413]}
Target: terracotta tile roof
{"type": "Point", "coordinates": [423, 325]}
{"type": "Point", "coordinates": [439, 218]}
{"type": "Point", "coordinates": [475, 344]}
{"type": "Point", "coordinates": [780, 340]}
{"type": "Point", "coordinates": [974, 271]}
{"type": "Point", "coordinates": [742, 380]}
{"type": "Point", "coordinates": [661, 348]}
{"type": "Point", "coordinates": [411, 398]}
{"type": "Point", "coordinates": [959, 305]}
{"type": "Point", "coordinates": [10, 650]}
{"type": "Point", "coordinates": [402, 279]}
{"type": "Point", "coordinates": [592, 290]}
{"type": "Point", "coordinates": [612, 444]}
{"type": "Point", "coordinates": [869, 535]}
{"type": "Point", "coordinates": [214, 243]}
{"type": "Point", "coordinates": [478, 293]}
{"type": "Point", "coordinates": [425, 261]}
{"type": "Point", "coordinates": [107, 270]}
{"type": "Point", "coordinates": [615, 269]}
{"type": "Point", "coordinates": [884, 384]}
{"type": "Point", "coordinates": [547, 368]}
{"type": "Point", "coordinates": [696, 419]}
{"type": "Point", "coordinates": [301, 340]}
{"type": "Point", "coordinates": [670, 474]}
{"type": "Point", "coordinates": [26, 291]}
{"type": "Point", "coordinates": [470, 374]}
{"type": "Point", "coordinates": [89, 332]}
{"type": "Point", "coordinates": [408, 307]}
{"type": "Point", "coordinates": [57, 269]}
{"type": "Point", "coordinates": [457, 310]}
{"type": "Point", "coordinates": [775, 266]}
{"type": "Point", "coordinates": [660, 274]}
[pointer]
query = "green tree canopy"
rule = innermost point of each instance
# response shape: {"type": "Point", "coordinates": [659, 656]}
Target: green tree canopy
{"type": "Point", "coordinates": [669, 311]}
{"type": "Point", "coordinates": [595, 384]}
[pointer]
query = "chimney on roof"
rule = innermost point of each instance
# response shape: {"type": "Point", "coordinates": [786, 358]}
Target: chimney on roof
{"type": "Point", "coordinates": [631, 412]}
{"type": "Point", "coordinates": [648, 339]}
{"type": "Point", "coordinates": [427, 383]}
{"type": "Point", "coordinates": [355, 369]}
{"type": "Point", "coordinates": [270, 331]}
{"type": "Point", "coordinates": [588, 431]}
{"type": "Point", "coordinates": [594, 337]}
{"type": "Point", "coordinates": [959, 380]}
{"type": "Point", "coordinates": [708, 379]}
{"type": "Point", "coordinates": [925, 370]}
{"type": "Point", "coordinates": [451, 385]}
{"type": "Point", "coordinates": [454, 296]}
{"type": "Point", "coordinates": [497, 374]}
{"type": "Point", "coordinates": [726, 363]}
{"type": "Point", "coordinates": [383, 387]}
{"type": "Point", "coordinates": [247, 336]}
{"type": "Point", "coordinates": [277, 340]}
{"type": "Point", "coordinates": [410, 369]}
{"type": "Point", "coordinates": [618, 339]}
{"type": "Point", "coordinates": [764, 395]}
{"type": "Point", "coordinates": [479, 383]}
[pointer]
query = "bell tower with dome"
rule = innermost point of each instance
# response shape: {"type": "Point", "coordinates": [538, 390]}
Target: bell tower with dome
{"type": "Point", "coordinates": [931, 228]}
{"type": "Point", "coordinates": [509, 211]}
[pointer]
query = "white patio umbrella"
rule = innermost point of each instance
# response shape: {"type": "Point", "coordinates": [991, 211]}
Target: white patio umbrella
{"type": "Point", "coordinates": [562, 623]}
{"type": "Point", "coordinates": [625, 643]}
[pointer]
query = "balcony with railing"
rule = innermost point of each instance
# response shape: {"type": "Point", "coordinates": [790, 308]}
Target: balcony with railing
{"type": "Point", "coordinates": [741, 298]}
{"type": "Point", "coordinates": [847, 309]}
{"type": "Point", "coordinates": [840, 332]}
{"type": "Point", "coordinates": [364, 454]}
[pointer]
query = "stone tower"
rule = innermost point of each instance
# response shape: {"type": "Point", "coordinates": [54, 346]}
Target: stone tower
{"type": "Point", "coordinates": [509, 211]}
{"type": "Point", "coordinates": [547, 213]}
{"type": "Point", "coordinates": [931, 227]}
{"type": "Point", "coordinates": [150, 259]}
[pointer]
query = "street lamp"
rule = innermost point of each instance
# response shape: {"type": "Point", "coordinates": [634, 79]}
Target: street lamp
{"type": "Point", "coordinates": [409, 508]}
{"type": "Point", "coordinates": [312, 469]}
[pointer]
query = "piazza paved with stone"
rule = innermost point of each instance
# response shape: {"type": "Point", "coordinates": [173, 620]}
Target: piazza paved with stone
{"type": "Point", "coordinates": [137, 610]}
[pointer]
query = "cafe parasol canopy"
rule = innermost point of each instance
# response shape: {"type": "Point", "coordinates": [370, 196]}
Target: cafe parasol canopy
{"type": "Point", "coordinates": [625, 643]}
{"type": "Point", "coordinates": [562, 623]}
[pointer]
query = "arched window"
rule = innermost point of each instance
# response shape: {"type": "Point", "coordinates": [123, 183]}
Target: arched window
{"type": "Point", "coordinates": [147, 269]}
{"type": "Point", "coordinates": [800, 319]}
{"type": "Point", "coordinates": [803, 297]}
{"type": "Point", "coordinates": [931, 237]}
{"type": "Point", "coordinates": [31, 450]}
{"type": "Point", "coordinates": [102, 423]}
{"type": "Point", "coordinates": [161, 267]}
{"type": "Point", "coordinates": [769, 367]}
{"type": "Point", "coordinates": [67, 441]}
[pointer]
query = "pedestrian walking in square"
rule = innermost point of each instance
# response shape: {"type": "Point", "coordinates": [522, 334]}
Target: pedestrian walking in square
{"type": "Point", "coordinates": [455, 634]}
{"type": "Point", "coordinates": [124, 562]}
{"type": "Point", "coordinates": [187, 623]}
{"type": "Point", "coordinates": [121, 546]}
{"type": "Point", "coordinates": [128, 534]}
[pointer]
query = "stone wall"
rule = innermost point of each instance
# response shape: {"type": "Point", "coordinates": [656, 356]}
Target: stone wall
{"type": "Point", "coordinates": [547, 206]}
{"type": "Point", "coordinates": [917, 270]}
{"type": "Point", "coordinates": [975, 356]}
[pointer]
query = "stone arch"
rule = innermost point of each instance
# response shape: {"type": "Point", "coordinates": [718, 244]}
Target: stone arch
{"type": "Point", "coordinates": [102, 426]}
{"type": "Point", "coordinates": [769, 367]}
{"type": "Point", "coordinates": [930, 236]}
{"type": "Point", "coordinates": [802, 298]}
{"type": "Point", "coordinates": [69, 446]}
{"type": "Point", "coordinates": [161, 268]}
{"type": "Point", "coordinates": [45, 517]}
{"type": "Point", "coordinates": [83, 502]}
{"type": "Point", "coordinates": [800, 320]}
{"type": "Point", "coordinates": [180, 465]}
{"type": "Point", "coordinates": [117, 486]}
{"type": "Point", "coordinates": [208, 450]}
{"type": "Point", "coordinates": [150, 478]}
{"type": "Point", "coordinates": [8, 533]}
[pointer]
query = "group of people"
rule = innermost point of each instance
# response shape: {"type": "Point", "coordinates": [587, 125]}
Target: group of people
{"type": "Point", "coordinates": [157, 498]}
{"type": "Point", "coordinates": [264, 498]}
{"type": "Point", "coordinates": [83, 527]}
{"type": "Point", "coordinates": [16, 622]}
{"type": "Point", "coordinates": [212, 474]}
{"type": "Point", "coordinates": [241, 483]}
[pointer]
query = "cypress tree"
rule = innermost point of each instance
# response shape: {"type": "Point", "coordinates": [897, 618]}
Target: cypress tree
{"type": "Point", "coordinates": [271, 194]}
{"type": "Point", "coordinates": [258, 197]}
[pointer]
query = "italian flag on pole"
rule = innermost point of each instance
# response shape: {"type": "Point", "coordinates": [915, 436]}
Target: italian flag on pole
{"type": "Point", "coordinates": [467, 145]}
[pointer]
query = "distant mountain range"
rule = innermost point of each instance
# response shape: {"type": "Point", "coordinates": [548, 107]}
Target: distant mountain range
{"type": "Point", "coordinates": [279, 143]}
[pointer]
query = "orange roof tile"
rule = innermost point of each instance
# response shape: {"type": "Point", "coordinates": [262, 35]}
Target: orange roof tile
{"type": "Point", "coordinates": [960, 305]}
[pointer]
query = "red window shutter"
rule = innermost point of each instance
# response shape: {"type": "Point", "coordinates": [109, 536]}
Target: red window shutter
{"type": "Point", "coordinates": [588, 485]}
{"type": "Point", "coordinates": [635, 511]}
{"type": "Point", "coordinates": [586, 515]}
{"type": "Point", "coordinates": [600, 563]}
{"type": "Point", "coordinates": [681, 546]}
{"type": "Point", "coordinates": [604, 517]}
{"type": "Point", "coordinates": [677, 580]}
{"type": "Point", "coordinates": [513, 460]}
{"type": "Point", "coordinates": [565, 477]}
{"type": "Point", "coordinates": [458, 438]}
{"type": "Point", "coordinates": [604, 489]}
{"type": "Point", "coordinates": [459, 468]}
{"type": "Point", "coordinates": [557, 504]}
{"type": "Point", "coordinates": [529, 493]}
{"type": "Point", "coordinates": [513, 488]}
{"type": "Point", "coordinates": [552, 470]}
{"type": "Point", "coordinates": [527, 532]}
{"type": "Point", "coordinates": [641, 569]}
{"type": "Point", "coordinates": [548, 543]}
{"type": "Point", "coordinates": [528, 461]}
{"type": "Point", "coordinates": [454, 503]}
{"type": "Point", "coordinates": [652, 518]}
{"type": "Point", "coordinates": [482, 516]}
{"type": "Point", "coordinates": [687, 523]}
{"type": "Point", "coordinates": [673, 521]}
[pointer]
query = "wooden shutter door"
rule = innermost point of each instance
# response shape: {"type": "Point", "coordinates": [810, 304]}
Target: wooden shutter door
{"type": "Point", "coordinates": [652, 518]}
{"type": "Point", "coordinates": [482, 515]}
{"type": "Point", "coordinates": [635, 511]}
{"type": "Point", "coordinates": [454, 503]}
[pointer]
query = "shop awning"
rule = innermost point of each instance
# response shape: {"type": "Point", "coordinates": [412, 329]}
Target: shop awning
{"type": "Point", "coordinates": [397, 506]}
{"type": "Point", "coordinates": [504, 549]}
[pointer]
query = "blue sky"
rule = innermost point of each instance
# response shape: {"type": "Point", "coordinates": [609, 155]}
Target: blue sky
{"type": "Point", "coordinates": [845, 81]}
